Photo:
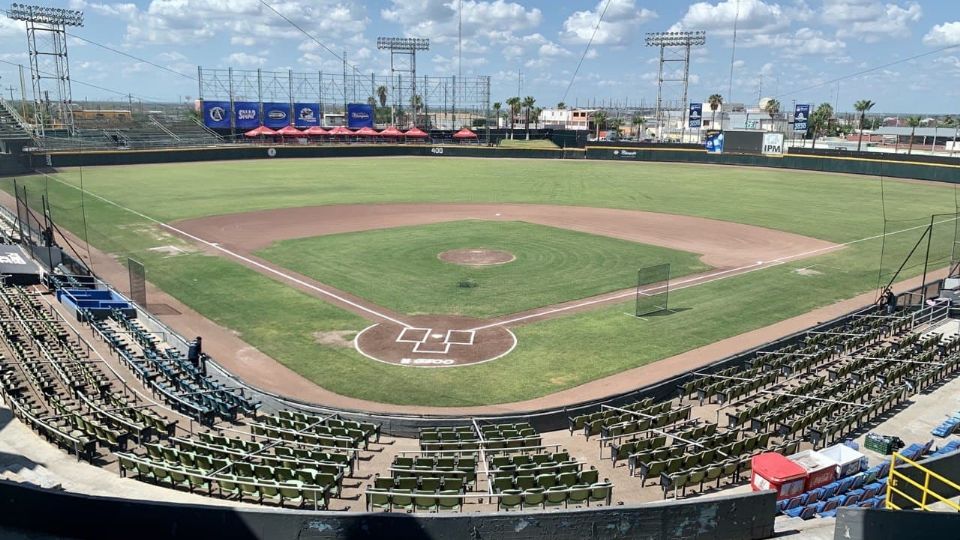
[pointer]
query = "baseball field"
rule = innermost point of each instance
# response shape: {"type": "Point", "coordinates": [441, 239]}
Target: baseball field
{"type": "Point", "coordinates": [365, 240]}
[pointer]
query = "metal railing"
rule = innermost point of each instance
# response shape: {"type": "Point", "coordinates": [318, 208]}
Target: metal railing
{"type": "Point", "coordinates": [926, 493]}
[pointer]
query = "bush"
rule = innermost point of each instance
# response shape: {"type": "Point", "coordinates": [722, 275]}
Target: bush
{"type": "Point", "coordinates": [467, 283]}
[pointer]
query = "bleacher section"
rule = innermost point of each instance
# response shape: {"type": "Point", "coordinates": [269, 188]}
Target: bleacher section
{"type": "Point", "coordinates": [11, 125]}
{"type": "Point", "coordinates": [142, 132]}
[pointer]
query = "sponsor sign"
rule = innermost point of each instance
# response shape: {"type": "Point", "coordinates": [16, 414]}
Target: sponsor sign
{"type": "Point", "coordinates": [696, 115]}
{"type": "Point", "coordinates": [276, 115]}
{"type": "Point", "coordinates": [216, 114]}
{"type": "Point", "coordinates": [246, 114]}
{"type": "Point", "coordinates": [306, 115]}
{"type": "Point", "coordinates": [714, 143]}
{"type": "Point", "coordinates": [801, 118]}
{"type": "Point", "coordinates": [359, 115]}
{"type": "Point", "coordinates": [772, 144]}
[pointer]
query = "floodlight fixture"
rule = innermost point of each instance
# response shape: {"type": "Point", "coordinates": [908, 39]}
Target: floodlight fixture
{"type": "Point", "coordinates": [676, 39]}
{"type": "Point", "coordinates": [403, 44]}
{"type": "Point", "coordinates": [45, 15]}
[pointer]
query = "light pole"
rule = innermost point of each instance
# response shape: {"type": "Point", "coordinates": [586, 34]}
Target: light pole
{"type": "Point", "coordinates": [674, 47]}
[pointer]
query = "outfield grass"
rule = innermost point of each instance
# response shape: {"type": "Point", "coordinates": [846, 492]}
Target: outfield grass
{"type": "Point", "coordinates": [398, 268]}
{"type": "Point", "coordinates": [551, 355]}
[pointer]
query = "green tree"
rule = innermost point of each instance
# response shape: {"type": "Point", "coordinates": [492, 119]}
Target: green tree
{"type": "Point", "coordinates": [715, 101]}
{"type": "Point", "coordinates": [862, 106]}
{"type": "Point", "coordinates": [496, 111]}
{"type": "Point", "coordinates": [561, 105]}
{"type": "Point", "coordinates": [527, 107]}
{"type": "Point", "coordinates": [382, 95]}
{"type": "Point", "coordinates": [600, 121]}
{"type": "Point", "coordinates": [820, 121]}
{"type": "Point", "coordinates": [514, 104]}
{"type": "Point", "coordinates": [914, 123]}
{"type": "Point", "coordinates": [772, 107]}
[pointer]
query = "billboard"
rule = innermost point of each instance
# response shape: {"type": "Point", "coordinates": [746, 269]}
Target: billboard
{"type": "Point", "coordinates": [714, 143]}
{"type": "Point", "coordinates": [801, 118]}
{"type": "Point", "coordinates": [772, 144]}
{"type": "Point", "coordinates": [742, 142]}
{"type": "Point", "coordinates": [696, 115]}
{"type": "Point", "coordinates": [276, 115]}
{"type": "Point", "coordinates": [359, 115]}
{"type": "Point", "coordinates": [246, 114]}
{"type": "Point", "coordinates": [306, 115]}
{"type": "Point", "coordinates": [216, 114]}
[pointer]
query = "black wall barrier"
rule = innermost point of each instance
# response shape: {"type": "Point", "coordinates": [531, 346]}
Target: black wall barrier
{"type": "Point", "coordinates": [748, 516]}
{"type": "Point", "coordinates": [863, 524]}
{"type": "Point", "coordinates": [947, 466]}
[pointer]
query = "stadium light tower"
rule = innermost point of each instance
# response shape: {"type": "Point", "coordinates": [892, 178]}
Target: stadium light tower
{"type": "Point", "coordinates": [674, 47]}
{"type": "Point", "coordinates": [49, 63]}
{"type": "Point", "coordinates": [403, 59]}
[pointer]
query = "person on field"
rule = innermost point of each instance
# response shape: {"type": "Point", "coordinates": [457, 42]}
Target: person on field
{"type": "Point", "coordinates": [888, 301]}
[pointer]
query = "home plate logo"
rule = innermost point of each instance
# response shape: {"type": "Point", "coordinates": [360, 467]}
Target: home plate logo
{"type": "Point", "coordinates": [434, 342]}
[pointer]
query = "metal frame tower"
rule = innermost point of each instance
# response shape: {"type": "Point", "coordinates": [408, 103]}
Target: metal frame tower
{"type": "Point", "coordinates": [403, 59]}
{"type": "Point", "coordinates": [49, 62]}
{"type": "Point", "coordinates": [674, 48]}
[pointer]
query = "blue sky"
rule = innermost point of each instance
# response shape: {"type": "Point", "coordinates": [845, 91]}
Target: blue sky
{"type": "Point", "coordinates": [784, 47]}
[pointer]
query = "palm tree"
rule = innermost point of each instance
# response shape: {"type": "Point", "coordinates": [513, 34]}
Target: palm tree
{"type": "Point", "coordinates": [537, 111]}
{"type": "Point", "coordinates": [382, 95]}
{"type": "Point", "coordinates": [527, 106]}
{"type": "Point", "coordinates": [820, 121]}
{"type": "Point", "coordinates": [772, 107]}
{"type": "Point", "coordinates": [950, 121]}
{"type": "Point", "coordinates": [416, 103]}
{"type": "Point", "coordinates": [862, 107]}
{"type": "Point", "coordinates": [715, 101]}
{"type": "Point", "coordinates": [514, 104]}
{"type": "Point", "coordinates": [914, 123]}
{"type": "Point", "coordinates": [561, 105]}
{"type": "Point", "coordinates": [638, 121]}
{"type": "Point", "coordinates": [600, 119]}
{"type": "Point", "coordinates": [496, 110]}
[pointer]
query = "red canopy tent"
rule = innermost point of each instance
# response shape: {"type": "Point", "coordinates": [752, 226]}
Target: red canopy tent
{"type": "Point", "coordinates": [289, 131]}
{"type": "Point", "coordinates": [315, 131]}
{"type": "Point", "coordinates": [366, 132]}
{"type": "Point", "coordinates": [340, 131]}
{"type": "Point", "coordinates": [391, 132]}
{"type": "Point", "coordinates": [260, 132]}
{"type": "Point", "coordinates": [464, 134]}
{"type": "Point", "coordinates": [416, 133]}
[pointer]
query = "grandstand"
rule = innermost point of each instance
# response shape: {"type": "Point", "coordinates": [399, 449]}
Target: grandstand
{"type": "Point", "coordinates": [132, 132]}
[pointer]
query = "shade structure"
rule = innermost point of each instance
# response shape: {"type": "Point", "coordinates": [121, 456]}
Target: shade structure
{"type": "Point", "coordinates": [289, 131]}
{"type": "Point", "coordinates": [260, 132]}
{"type": "Point", "coordinates": [340, 131]}
{"type": "Point", "coordinates": [315, 131]}
{"type": "Point", "coordinates": [391, 132]}
{"type": "Point", "coordinates": [366, 132]}
{"type": "Point", "coordinates": [416, 133]}
{"type": "Point", "coordinates": [464, 134]}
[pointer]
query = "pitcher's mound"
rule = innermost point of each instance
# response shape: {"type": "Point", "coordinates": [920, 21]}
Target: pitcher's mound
{"type": "Point", "coordinates": [477, 257]}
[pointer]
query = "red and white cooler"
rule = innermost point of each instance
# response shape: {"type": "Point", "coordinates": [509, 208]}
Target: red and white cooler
{"type": "Point", "coordinates": [820, 469]}
{"type": "Point", "coordinates": [771, 470]}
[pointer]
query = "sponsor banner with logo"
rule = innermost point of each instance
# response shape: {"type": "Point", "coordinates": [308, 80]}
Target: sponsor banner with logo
{"type": "Point", "coordinates": [801, 118]}
{"type": "Point", "coordinates": [306, 115]}
{"type": "Point", "coordinates": [714, 143]}
{"type": "Point", "coordinates": [359, 115]}
{"type": "Point", "coordinates": [246, 114]}
{"type": "Point", "coordinates": [276, 115]}
{"type": "Point", "coordinates": [772, 144]}
{"type": "Point", "coordinates": [216, 114]}
{"type": "Point", "coordinates": [696, 115]}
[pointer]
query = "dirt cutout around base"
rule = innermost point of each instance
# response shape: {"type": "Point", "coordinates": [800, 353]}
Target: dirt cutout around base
{"type": "Point", "coordinates": [477, 257]}
{"type": "Point", "coordinates": [434, 341]}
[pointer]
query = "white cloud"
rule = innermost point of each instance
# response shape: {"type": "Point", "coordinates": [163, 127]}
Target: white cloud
{"type": "Point", "coordinates": [944, 34]}
{"type": "Point", "coordinates": [871, 20]}
{"type": "Point", "coordinates": [439, 20]}
{"type": "Point", "coordinates": [245, 60]}
{"type": "Point", "coordinates": [618, 27]}
{"type": "Point", "coordinates": [752, 17]}
{"type": "Point", "coordinates": [805, 41]}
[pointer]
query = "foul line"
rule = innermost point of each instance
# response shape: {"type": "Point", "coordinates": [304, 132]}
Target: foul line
{"type": "Point", "coordinates": [238, 256]}
{"type": "Point", "coordinates": [708, 278]}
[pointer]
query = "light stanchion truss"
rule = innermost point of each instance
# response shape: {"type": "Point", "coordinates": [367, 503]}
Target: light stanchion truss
{"type": "Point", "coordinates": [674, 49]}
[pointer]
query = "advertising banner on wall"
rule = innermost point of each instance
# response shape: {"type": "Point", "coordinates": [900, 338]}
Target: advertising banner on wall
{"type": "Point", "coordinates": [276, 115]}
{"type": "Point", "coordinates": [246, 114]}
{"type": "Point", "coordinates": [714, 143]}
{"type": "Point", "coordinates": [801, 118]}
{"type": "Point", "coordinates": [216, 114]}
{"type": "Point", "coordinates": [696, 115]}
{"type": "Point", "coordinates": [306, 115]}
{"type": "Point", "coordinates": [772, 144]}
{"type": "Point", "coordinates": [359, 115]}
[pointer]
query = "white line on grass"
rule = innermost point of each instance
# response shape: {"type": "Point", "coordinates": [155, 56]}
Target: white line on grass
{"type": "Point", "coordinates": [237, 255]}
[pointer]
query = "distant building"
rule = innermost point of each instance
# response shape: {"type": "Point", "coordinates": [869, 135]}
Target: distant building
{"type": "Point", "coordinates": [576, 119]}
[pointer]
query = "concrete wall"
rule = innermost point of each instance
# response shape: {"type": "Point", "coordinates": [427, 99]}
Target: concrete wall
{"type": "Point", "coordinates": [864, 524]}
{"type": "Point", "coordinates": [740, 517]}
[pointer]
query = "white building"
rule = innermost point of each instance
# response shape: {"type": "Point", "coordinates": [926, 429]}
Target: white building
{"type": "Point", "coordinates": [578, 119]}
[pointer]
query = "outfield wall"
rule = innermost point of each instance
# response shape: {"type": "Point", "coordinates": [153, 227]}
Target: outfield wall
{"type": "Point", "coordinates": [747, 516]}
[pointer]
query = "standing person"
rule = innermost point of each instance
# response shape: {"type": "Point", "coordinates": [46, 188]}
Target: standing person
{"type": "Point", "coordinates": [888, 301]}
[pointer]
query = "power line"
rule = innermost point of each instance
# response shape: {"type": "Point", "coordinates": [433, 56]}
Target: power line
{"type": "Point", "coordinates": [309, 35]}
{"type": "Point", "coordinates": [586, 50]}
{"type": "Point", "coordinates": [128, 55]}
{"type": "Point", "coordinates": [91, 85]}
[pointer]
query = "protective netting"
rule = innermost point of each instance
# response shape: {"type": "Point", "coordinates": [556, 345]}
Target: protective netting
{"type": "Point", "coordinates": [653, 289]}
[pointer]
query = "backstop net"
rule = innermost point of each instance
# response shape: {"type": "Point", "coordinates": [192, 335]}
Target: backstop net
{"type": "Point", "coordinates": [653, 289]}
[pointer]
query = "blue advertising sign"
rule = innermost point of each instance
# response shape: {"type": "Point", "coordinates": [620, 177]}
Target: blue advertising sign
{"type": "Point", "coordinates": [715, 142]}
{"type": "Point", "coordinates": [216, 114]}
{"type": "Point", "coordinates": [306, 115]}
{"type": "Point", "coordinates": [801, 118]}
{"type": "Point", "coordinates": [276, 115]}
{"type": "Point", "coordinates": [246, 114]}
{"type": "Point", "coordinates": [359, 115]}
{"type": "Point", "coordinates": [696, 115]}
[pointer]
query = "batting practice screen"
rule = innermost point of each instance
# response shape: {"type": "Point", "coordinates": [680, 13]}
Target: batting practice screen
{"type": "Point", "coordinates": [138, 282]}
{"type": "Point", "coordinates": [653, 289]}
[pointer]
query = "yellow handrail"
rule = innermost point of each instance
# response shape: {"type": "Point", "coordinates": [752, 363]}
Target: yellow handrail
{"type": "Point", "coordinates": [924, 488]}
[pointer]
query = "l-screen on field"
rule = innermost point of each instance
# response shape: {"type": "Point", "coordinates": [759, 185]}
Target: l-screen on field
{"type": "Point", "coordinates": [298, 257]}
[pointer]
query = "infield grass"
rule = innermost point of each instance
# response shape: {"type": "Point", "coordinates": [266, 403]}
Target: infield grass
{"type": "Point", "coordinates": [552, 355]}
{"type": "Point", "coordinates": [398, 268]}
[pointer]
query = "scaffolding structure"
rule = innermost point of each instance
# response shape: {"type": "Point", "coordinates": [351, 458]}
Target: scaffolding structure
{"type": "Point", "coordinates": [444, 100]}
{"type": "Point", "coordinates": [674, 49]}
{"type": "Point", "coordinates": [49, 63]}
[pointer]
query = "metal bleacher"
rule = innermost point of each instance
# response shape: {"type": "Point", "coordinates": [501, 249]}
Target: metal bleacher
{"type": "Point", "coordinates": [142, 132]}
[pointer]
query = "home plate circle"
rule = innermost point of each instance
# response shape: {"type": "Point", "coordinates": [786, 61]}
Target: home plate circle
{"type": "Point", "coordinates": [434, 341]}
